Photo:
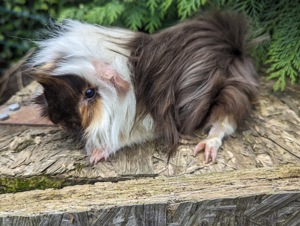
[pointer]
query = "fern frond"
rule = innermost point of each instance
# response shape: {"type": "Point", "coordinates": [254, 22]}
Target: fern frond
{"type": "Point", "coordinates": [96, 15]}
{"type": "Point", "coordinates": [153, 23]}
{"type": "Point", "coordinates": [69, 13]}
{"type": "Point", "coordinates": [284, 50]}
{"type": "Point", "coordinates": [135, 16]}
{"type": "Point", "coordinates": [187, 8]}
{"type": "Point", "coordinates": [113, 11]}
{"type": "Point", "coordinates": [165, 5]}
{"type": "Point", "coordinates": [280, 83]}
{"type": "Point", "coordinates": [152, 6]}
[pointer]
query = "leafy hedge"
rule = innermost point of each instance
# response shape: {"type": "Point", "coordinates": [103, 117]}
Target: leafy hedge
{"type": "Point", "coordinates": [19, 23]}
{"type": "Point", "coordinates": [279, 19]}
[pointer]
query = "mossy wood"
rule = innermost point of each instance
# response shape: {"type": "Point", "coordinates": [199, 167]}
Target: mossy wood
{"type": "Point", "coordinates": [255, 181]}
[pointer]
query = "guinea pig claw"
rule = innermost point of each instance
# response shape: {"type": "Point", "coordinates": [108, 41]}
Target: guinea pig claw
{"type": "Point", "coordinates": [210, 153]}
{"type": "Point", "coordinates": [96, 156]}
{"type": "Point", "coordinates": [210, 147]}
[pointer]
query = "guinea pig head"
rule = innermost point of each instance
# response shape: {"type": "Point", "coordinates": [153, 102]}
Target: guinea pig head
{"type": "Point", "coordinates": [87, 81]}
{"type": "Point", "coordinates": [68, 100]}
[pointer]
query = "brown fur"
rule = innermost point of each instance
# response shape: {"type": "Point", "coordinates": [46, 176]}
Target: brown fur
{"type": "Point", "coordinates": [89, 112]}
{"type": "Point", "coordinates": [63, 100]}
{"type": "Point", "coordinates": [194, 74]}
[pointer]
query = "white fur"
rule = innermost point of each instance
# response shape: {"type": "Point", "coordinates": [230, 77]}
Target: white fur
{"type": "Point", "coordinates": [221, 129]}
{"type": "Point", "coordinates": [73, 49]}
{"type": "Point", "coordinates": [213, 142]}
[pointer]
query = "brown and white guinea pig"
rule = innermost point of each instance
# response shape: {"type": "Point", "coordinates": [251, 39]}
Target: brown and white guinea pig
{"type": "Point", "coordinates": [121, 87]}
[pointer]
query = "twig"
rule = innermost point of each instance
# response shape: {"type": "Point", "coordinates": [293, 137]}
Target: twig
{"type": "Point", "coordinates": [275, 142]}
{"type": "Point", "coordinates": [10, 71]}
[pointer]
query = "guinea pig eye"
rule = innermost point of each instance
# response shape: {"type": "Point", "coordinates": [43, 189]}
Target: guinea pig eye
{"type": "Point", "coordinates": [90, 93]}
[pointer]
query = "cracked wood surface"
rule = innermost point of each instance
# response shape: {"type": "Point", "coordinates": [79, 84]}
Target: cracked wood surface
{"type": "Point", "coordinates": [232, 198]}
{"type": "Point", "coordinates": [270, 137]}
{"type": "Point", "coordinates": [258, 166]}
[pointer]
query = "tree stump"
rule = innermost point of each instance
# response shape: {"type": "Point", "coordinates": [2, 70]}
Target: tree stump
{"type": "Point", "coordinates": [46, 179]}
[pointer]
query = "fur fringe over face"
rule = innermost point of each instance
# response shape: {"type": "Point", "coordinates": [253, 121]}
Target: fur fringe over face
{"type": "Point", "coordinates": [121, 87]}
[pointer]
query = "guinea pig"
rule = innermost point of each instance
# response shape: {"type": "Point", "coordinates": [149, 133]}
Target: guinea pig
{"type": "Point", "coordinates": [119, 87]}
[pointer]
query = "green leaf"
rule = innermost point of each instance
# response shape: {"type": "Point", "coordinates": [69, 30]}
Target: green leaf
{"type": "Point", "coordinates": [153, 23]}
{"type": "Point", "coordinates": [187, 8]}
{"type": "Point", "coordinates": [284, 50]}
{"type": "Point", "coordinates": [152, 6]}
{"type": "Point", "coordinates": [135, 16]}
{"type": "Point", "coordinates": [165, 5]}
{"type": "Point", "coordinates": [113, 11]}
{"type": "Point", "coordinates": [280, 83]}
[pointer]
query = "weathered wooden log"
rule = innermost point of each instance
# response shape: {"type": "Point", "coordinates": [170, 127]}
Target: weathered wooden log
{"type": "Point", "coordinates": [259, 196]}
{"type": "Point", "coordinates": [255, 181]}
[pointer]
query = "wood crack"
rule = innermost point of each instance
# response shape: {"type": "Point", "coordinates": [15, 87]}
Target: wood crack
{"type": "Point", "coordinates": [277, 143]}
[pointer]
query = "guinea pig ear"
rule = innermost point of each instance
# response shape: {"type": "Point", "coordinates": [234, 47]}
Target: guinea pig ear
{"type": "Point", "coordinates": [41, 77]}
{"type": "Point", "coordinates": [107, 73]}
{"type": "Point", "coordinates": [42, 102]}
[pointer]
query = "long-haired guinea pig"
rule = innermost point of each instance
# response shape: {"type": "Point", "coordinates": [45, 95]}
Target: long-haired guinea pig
{"type": "Point", "coordinates": [121, 87]}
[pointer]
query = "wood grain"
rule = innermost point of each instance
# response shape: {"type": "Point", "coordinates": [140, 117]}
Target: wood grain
{"type": "Point", "coordinates": [261, 196]}
{"type": "Point", "coordinates": [254, 182]}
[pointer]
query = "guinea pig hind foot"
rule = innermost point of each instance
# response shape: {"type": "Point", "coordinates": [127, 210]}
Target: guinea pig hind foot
{"type": "Point", "coordinates": [210, 146]}
{"type": "Point", "coordinates": [213, 142]}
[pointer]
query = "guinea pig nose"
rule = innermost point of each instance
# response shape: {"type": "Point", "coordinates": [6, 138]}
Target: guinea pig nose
{"type": "Point", "coordinates": [90, 93]}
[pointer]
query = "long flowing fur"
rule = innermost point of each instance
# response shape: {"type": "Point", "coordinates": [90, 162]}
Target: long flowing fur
{"type": "Point", "coordinates": [193, 74]}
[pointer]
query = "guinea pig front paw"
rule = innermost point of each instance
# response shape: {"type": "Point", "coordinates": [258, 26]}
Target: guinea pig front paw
{"type": "Point", "coordinates": [210, 147]}
{"type": "Point", "coordinates": [97, 155]}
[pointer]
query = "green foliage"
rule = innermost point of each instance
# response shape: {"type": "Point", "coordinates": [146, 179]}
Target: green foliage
{"type": "Point", "coordinates": [20, 21]}
{"type": "Point", "coordinates": [284, 50]}
{"type": "Point", "coordinates": [147, 16]}
{"type": "Point", "coordinates": [278, 19]}
{"type": "Point", "coordinates": [281, 21]}
{"type": "Point", "coordinates": [187, 8]}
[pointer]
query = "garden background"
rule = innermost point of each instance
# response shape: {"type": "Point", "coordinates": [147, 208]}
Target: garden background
{"type": "Point", "coordinates": [277, 22]}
